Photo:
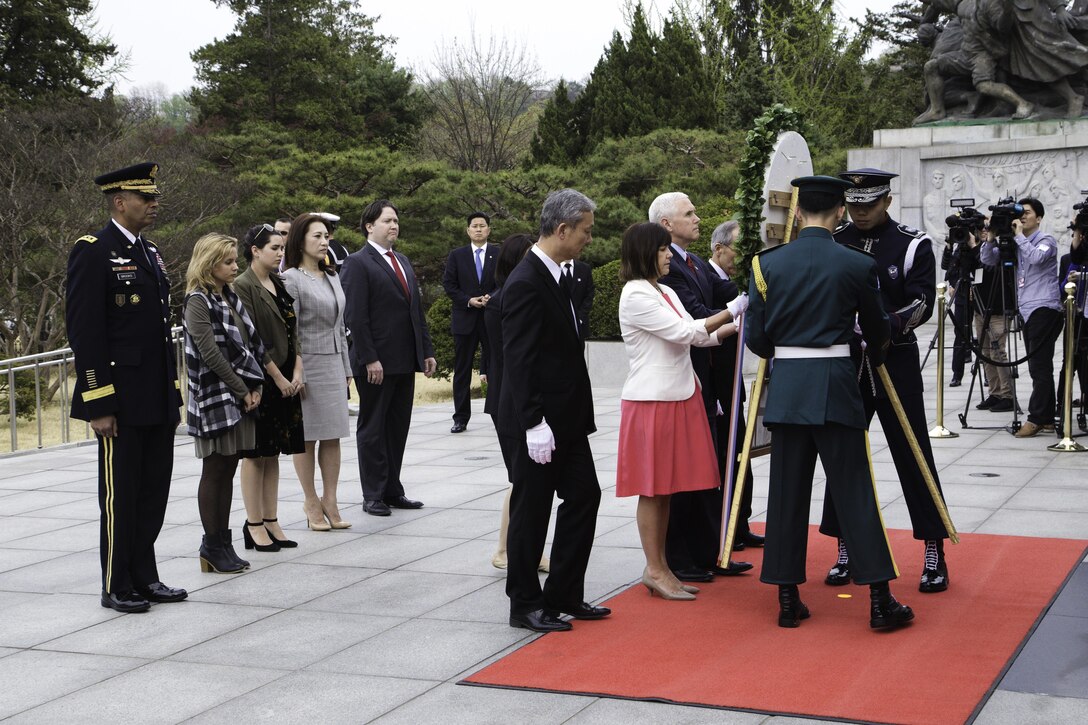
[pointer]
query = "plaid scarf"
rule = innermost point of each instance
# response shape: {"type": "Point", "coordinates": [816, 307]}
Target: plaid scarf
{"type": "Point", "coordinates": [213, 408]}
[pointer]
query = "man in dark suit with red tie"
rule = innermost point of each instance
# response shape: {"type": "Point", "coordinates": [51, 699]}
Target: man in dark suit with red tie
{"type": "Point", "coordinates": [391, 343]}
{"type": "Point", "coordinates": [546, 415]}
{"type": "Point", "coordinates": [118, 317]}
{"type": "Point", "coordinates": [691, 546]}
{"type": "Point", "coordinates": [469, 280]}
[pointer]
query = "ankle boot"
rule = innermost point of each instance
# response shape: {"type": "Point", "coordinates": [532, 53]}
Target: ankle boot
{"type": "Point", "coordinates": [791, 610]}
{"type": "Point", "coordinates": [884, 611]}
{"type": "Point", "coordinates": [228, 544]}
{"type": "Point", "coordinates": [934, 570]}
{"type": "Point", "coordinates": [214, 557]}
{"type": "Point", "coordinates": [839, 575]}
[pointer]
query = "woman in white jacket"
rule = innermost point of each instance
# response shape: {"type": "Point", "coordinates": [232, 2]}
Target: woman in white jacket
{"type": "Point", "coordinates": [664, 443]}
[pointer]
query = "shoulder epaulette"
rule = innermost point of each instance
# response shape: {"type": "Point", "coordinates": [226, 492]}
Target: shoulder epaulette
{"type": "Point", "coordinates": [859, 250]}
{"type": "Point", "coordinates": [89, 238]}
{"type": "Point", "coordinates": [769, 249]}
{"type": "Point", "coordinates": [911, 231]}
{"type": "Point", "coordinates": [842, 226]}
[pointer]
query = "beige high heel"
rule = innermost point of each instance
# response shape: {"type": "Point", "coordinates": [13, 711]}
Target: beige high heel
{"type": "Point", "coordinates": [337, 522]}
{"type": "Point", "coordinates": [317, 524]}
{"type": "Point", "coordinates": [653, 587]}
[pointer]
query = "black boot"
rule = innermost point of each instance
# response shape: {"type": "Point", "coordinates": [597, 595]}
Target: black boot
{"type": "Point", "coordinates": [214, 557]}
{"type": "Point", "coordinates": [791, 610]}
{"type": "Point", "coordinates": [934, 571]}
{"type": "Point", "coordinates": [884, 611]}
{"type": "Point", "coordinates": [228, 544]}
{"type": "Point", "coordinates": [840, 573]}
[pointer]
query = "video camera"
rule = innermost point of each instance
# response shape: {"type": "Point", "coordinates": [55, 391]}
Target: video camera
{"type": "Point", "coordinates": [1002, 215]}
{"type": "Point", "coordinates": [1080, 221]}
{"type": "Point", "coordinates": [965, 222]}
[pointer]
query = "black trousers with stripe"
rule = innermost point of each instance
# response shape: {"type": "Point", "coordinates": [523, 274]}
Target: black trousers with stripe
{"type": "Point", "coordinates": [845, 457]}
{"type": "Point", "coordinates": [134, 472]}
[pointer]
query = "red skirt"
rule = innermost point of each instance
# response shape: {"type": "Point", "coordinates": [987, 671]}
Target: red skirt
{"type": "Point", "coordinates": [665, 448]}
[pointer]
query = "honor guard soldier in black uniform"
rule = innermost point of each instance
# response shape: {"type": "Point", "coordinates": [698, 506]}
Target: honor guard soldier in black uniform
{"type": "Point", "coordinates": [908, 274]}
{"type": "Point", "coordinates": [118, 319]}
{"type": "Point", "coordinates": [805, 297]}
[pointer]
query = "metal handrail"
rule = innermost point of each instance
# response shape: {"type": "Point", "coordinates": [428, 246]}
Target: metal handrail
{"type": "Point", "coordinates": [62, 360]}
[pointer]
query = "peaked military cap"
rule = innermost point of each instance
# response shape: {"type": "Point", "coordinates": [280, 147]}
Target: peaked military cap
{"type": "Point", "coordinates": [139, 178]}
{"type": "Point", "coordinates": [821, 184]}
{"type": "Point", "coordinates": [868, 185]}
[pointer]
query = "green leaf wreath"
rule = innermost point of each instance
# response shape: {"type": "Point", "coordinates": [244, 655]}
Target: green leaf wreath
{"type": "Point", "coordinates": [760, 143]}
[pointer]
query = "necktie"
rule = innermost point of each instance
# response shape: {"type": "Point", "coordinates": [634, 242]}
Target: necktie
{"type": "Point", "coordinates": [400, 273]}
{"type": "Point", "coordinates": [691, 264]}
{"type": "Point", "coordinates": [566, 286]}
{"type": "Point", "coordinates": [479, 265]}
{"type": "Point", "coordinates": [143, 249]}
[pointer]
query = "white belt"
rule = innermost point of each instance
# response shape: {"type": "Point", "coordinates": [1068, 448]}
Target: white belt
{"type": "Point", "coordinates": [791, 352]}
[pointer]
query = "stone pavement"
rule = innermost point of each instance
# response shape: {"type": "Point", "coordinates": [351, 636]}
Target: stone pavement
{"type": "Point", "coordinates": [379, 622]}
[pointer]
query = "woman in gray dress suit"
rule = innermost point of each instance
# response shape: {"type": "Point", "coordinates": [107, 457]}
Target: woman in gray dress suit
{"type": "Point", "coordinates": [319, 307]}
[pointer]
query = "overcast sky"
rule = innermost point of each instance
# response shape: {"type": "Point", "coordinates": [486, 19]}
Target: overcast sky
{"type": "Point", "coordinates": [566, 36]}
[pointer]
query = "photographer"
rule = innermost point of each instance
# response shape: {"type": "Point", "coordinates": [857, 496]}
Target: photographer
{"type": "Point", "coordinates": [1036, 256]}
{"type": "Point", "coordinates": [1071, 268]}
{"type": "Point", "coordinates": [991, 328]}
{"type": "Point", "coordinates": [959, 263]}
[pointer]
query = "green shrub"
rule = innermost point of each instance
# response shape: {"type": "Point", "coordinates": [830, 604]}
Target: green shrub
{"type": "Point", "coordinates": [438, 320]}
{"type": "Point", "coordinates": [604, 318]}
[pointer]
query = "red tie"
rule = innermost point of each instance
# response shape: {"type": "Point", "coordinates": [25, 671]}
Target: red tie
{"type": "Point", "coordinates": [400, 274]}
{"type": "Point", "coordinates": [691, 265]}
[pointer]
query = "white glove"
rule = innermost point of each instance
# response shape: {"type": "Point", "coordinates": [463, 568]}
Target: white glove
{"type": "Point", "coordinates": [541, 442]}
{"type": "Point", "coordinates": [737, 305]}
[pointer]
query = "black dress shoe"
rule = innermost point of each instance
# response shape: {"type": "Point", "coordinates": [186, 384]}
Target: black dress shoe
{"type": "Point", "coordinates": [738, 545]}
{"type": "Point", "coordinates": [754, 540]}
{"type": "Point", "coordinates": [839, 575]}
{"type": "Point", "coordinates": [539, 621]}
{"type": "Point", "coordinates": [400, 502]}
{"type": "Point", "coordinates": [458, 428]}
{"type": "Point", "coordinates": [376, 508]}
{"type": "Point", "coordinates": [584, 610]}
{"type": "Point", "coordinates": [734, 568]}
{"type": "Point", "coordinates": [885, 612]}
{"type": "Point", "coordinates": [956, 382]}
{"type": "Point", "coordinates": [159, 592]}
{"type": "Point", "coordinates": [125, 602]}
{"type": "Point", "coordinates": [934, 580]}
{"type": "Point", "coordinates": [988, 403]}
{"type": "Point", "coordinates": [1001, 405]}
{"type": "Point", "coordinates": [694, 574]}
{"type": "Point", "coordinates": [791, 610]}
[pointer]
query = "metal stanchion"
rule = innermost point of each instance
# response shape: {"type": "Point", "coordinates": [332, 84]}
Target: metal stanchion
{"type": "Point", "coordinates": [1067, 444]}
{"type": "Point", "coordinates": [939, 431]}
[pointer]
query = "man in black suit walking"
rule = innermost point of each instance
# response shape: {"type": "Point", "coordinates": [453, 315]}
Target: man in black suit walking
{"type": "Point", "coordinates": [118, 319]}
{"type": "Point", "coordinates": [391, 343]}
{"type": "Point", "coordinates": [546, 413]}
{"type": "Point", "coordinates": [469, 280]}
{"type": "Point", "coordinates": [691, 545]}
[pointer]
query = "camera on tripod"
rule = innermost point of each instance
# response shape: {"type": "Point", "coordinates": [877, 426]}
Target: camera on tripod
{"type": "Point", "coordinates": [1002, 215]}
{"type": "Point", "coordinates": [1080, 221]}
{"type": "Point", "coordinates": [965, 222]}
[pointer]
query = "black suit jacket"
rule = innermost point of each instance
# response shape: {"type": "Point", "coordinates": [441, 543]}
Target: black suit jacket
{"type": "Point", "coordinates": [697, 291]}
{"type": "Point", "coordinates": [582, 292]}
{"type": "Point", "coordinates": [385, 326]}
{"type": "Point", "coordinates": [118, 318]}
{"type": "Point", "coordinates": [544, 368]}
{"type": "Point", "coordinates": [459, 281]}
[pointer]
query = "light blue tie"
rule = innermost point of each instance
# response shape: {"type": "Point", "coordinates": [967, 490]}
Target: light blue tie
{"type": "Point", "coordinates": [479, 265]}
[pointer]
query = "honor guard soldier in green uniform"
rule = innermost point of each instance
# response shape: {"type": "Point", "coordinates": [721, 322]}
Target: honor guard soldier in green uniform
{"type": "Point", "coordinates": [908, 279]}
{"type": "Point", "coordinates": [805, 297]}
{"type": "Point", "coordinates": [118, 319]}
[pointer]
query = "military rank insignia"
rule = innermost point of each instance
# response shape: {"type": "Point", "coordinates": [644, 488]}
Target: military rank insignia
{"type": "Point", "coordinates": [119, 300]}
{"type": "Point", "coordinates": [134, 299]}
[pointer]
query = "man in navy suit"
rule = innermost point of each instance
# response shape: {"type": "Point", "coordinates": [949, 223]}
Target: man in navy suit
{"type": "Point", "coordinates": [691, 545]}
{"type": "Point", "coordinates": [469, 280]}
{"type": "Point", "coordinates": [546, 416]}
{"type": "Point", "coordinates": [118, 317]}
{"type": "Point", "coordinates": [391, 343]}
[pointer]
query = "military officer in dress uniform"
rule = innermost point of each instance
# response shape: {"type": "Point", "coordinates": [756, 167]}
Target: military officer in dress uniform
{"type": "Point", "coordinates": [908, 278]}
{"type": "Point", "coordinates": [804, 299]}
{"type": "Point", "coordinates": [118, 319]}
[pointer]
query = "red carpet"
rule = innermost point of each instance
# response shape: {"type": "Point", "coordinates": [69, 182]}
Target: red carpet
{"type": "Point", "coordinates": [726, 650]}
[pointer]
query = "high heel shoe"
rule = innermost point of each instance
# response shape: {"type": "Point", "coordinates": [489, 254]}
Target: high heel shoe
{"type": "Point", "coordinates": [652, 586]}
{"type": "Point", "coordinates": [689, 588]}
{"type": "Point", "coordinates": [214, 557]}
{"type": "Point", "coordinates": [251, 544]}
{"type": "Point", "coordinates": [317, 524]}
{"type": "Point", "coordinates": [283, 543]}
{"type": "Point", "coordinates": [337, 523]}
